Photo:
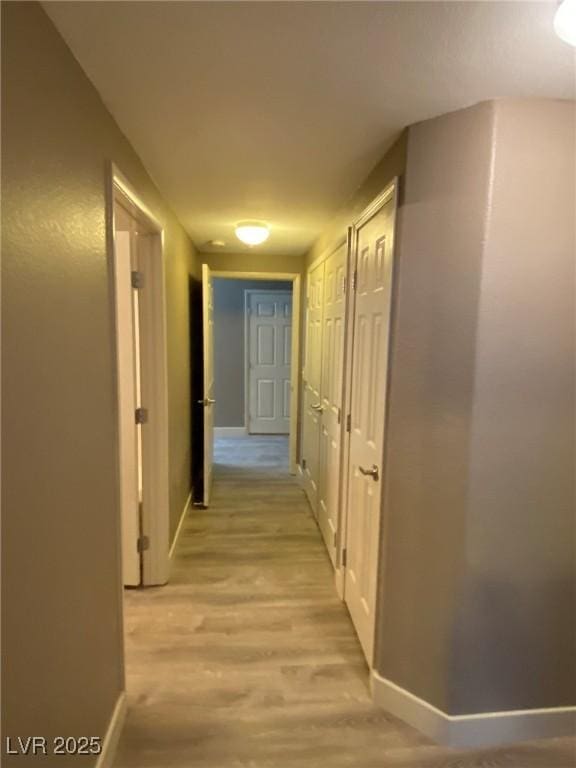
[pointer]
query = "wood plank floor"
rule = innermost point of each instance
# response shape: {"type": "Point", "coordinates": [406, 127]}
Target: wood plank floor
{"type": "Point", "coordinates": [248, 659]}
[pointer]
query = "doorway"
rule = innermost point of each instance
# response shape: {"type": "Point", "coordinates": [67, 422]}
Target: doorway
{"type": "Point", "coordinates": [251, 355]}
{"type": "Point", "coordinates": [137, 272]}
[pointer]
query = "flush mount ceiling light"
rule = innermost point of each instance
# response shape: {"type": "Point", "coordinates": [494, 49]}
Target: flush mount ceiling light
{"type": "Point", "coordinates": [565, 21]}
{"type": "Point", "coordinates": [252, 232]}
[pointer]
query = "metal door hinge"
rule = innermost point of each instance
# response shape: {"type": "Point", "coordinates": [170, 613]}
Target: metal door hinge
{"type": "Point", "coordinates": [143, 543]}
{"type": "Point", "coordinates": [339, 415]}
{"type": "Point", "coordinates": [137, 280]}
{"type": "Point", "coordinates": [344, 558]}
{"type": "Point", "coordinates": [141, 415]}
{"type": "Point", "coordinates": [303, 463]}
{"type": "Point", "coordinates": [354, 279]}
{"type": "Point", "coordinates": [348, 422]}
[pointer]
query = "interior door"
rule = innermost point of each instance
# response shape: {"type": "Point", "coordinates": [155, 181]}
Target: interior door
{"type": "Point", "coordinates": [374, 261]}
{"type": "Point", "coordinates": [312, 385]}
{"type": "Point", "coordinates": [329, 476]}
{"type": "Point", "coordinates": [128, 400]}
{"type": "Point", "coordinates": [208, 379]}
{"type": "Point", "coordinates": [269, 357]}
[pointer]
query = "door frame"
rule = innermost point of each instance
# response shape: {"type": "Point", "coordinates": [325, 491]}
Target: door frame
{"type": "Point", "coordinates": [247, 293]}
{"type": "Point", "coordinates": [389, 193]}
{"type": "Point", "coordinates": [294, 278]}
{"type": "Point", "coordinates": [154, 371]}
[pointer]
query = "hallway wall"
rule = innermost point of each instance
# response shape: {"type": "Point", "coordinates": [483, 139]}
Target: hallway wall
{"type": "Point", "coordinates": [61, 598]}
{"type": "Point", "coordinates": [393, 163]}
{"type": "Point", "coordinates": [229, 355]}
{"type": "Point", "coordinates": [477, 587]}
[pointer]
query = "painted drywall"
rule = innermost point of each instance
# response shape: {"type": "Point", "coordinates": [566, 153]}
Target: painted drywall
{"type": "Point", "coordinates": [477, 561]}
{"type": "Point", "coordinates": [392, 165]}
{"type": "Point", "coordinates": [61, 598]}
{"type": "Point", "coordinates": [515, 639]}
{"type": "Point", "coordinates": [229, 374]}
{"type": "Point", "coordinates": [438, 270]}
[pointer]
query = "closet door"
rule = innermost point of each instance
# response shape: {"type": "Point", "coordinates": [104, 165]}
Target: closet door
{"type": "Point", "coordinates": [372, 300]}
{"type": "Point", "coordinates": [329, 474]}
{"type": "Point", "coordinates": [312, 385]}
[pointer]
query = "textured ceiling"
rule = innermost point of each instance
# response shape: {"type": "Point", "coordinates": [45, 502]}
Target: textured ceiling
{"type": "Point", "coordinates": [277, 111]}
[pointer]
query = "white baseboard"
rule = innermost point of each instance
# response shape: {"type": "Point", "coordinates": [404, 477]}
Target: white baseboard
{"type": "Point", "coordinates": [467, 731]}
{"type": "Point", "coordinates": [180, 526]}
{"type": "Point", "coordinates": [112, 736]}
{"type": "Point", "coordinates": [230, 431]}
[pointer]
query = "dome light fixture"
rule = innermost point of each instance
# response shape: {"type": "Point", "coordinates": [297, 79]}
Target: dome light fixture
{"type": "Point", "coordinates": [252, 232]}
{"type": "Point", "coordinates": [565, 21]}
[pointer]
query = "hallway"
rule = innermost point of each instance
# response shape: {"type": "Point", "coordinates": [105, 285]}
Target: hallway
{"type": "Point", "coordinates": [248, 657]}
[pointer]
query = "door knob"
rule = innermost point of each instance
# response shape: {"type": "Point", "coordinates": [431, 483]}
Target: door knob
{"type": "Point", "coordinates": [206, 401]}
{"type": "Point", "coordinates": [373, 472]}
{"type": "Point", "coordinates": [317, 408]}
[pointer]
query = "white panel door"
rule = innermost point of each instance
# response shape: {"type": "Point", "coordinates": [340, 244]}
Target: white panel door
{"type": "Point", "coordinates": [208, 378]}
{"type": "Point", "coordinates": [329, 475]}
{"type": "Point", "coordinates": [269, 353]}
{"type": "Point", "coordinates": [374, 243]}
{"type": "Point", "coordinates": [128, 401]}
{"type": "Point", "coordinates": [312, 376]}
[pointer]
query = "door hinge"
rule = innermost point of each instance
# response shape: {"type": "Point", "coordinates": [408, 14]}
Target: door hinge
{"type": "Point", "coordinates": [354, 279]}
{"type": "Point", "coordinates": [143, 543]}
{"type": "Point", "coordinates": [348, 422]}
{"type": "Point", "coordinates": [141, 415]}
{"type": "Point", "coordinates": [343, 557]}
{"type": "Point", "coordinates": [137, 280]}
{"type": "Point", "coordinates": [339, 415]}
{"type": "Point", "coordinates": [303, 463]}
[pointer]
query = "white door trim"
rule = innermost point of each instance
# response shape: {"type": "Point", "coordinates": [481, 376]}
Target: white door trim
{"type": "Point", "coordinates": [155, 508]}
{"type": "Point", "coordinates": [294, 278]}
{"type": "Point", "coordinates": [248, 292]}
{"type": "Point", "coordinates": [390, 193]}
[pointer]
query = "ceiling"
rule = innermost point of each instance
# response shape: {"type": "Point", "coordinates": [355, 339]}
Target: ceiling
{"type": "Point", "coordinates": [278, 110]}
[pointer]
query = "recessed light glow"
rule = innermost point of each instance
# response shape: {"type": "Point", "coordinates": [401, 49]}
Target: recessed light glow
{"type": "Point", "coordinates": [565, 21]}
{"type": "Point", "coordinates": [252, 232]}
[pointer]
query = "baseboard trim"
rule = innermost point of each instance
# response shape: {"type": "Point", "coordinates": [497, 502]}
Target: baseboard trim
{"type": "Point", "coordinates": [180, 526]}
{"type": "Point", "coordinates": [112, 736]}
{"type": "Point", "coordinates": [467, 731]}
{"type": "Point", "coordinates": [230, 431]}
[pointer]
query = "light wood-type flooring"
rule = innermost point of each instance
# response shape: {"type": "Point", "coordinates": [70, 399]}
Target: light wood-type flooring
{"type": "Point", "coordinates": [247, 658]}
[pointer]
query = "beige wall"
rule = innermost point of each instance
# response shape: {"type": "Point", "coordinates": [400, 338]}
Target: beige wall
{"type": "Point", "coordinates": [252, 262]}
{"type": "Point", "coordinates": [515, 639]}
{"type": "Point", "coordinates": [60, 536]}
{"type": "Point", "coordinates": [438, 270]}
{"type": "Point", "coordinates": [392, 164]}
{"type": "Point", "coordinates": [478, 566]}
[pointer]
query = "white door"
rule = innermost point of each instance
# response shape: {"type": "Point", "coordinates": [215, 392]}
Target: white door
{"type": "Point", "coordinates": [269, 350]}
{"type": "Point", "coordinates": [312, 376]}
{"type": "Point", "coordinates": [208, 377]}
{"type": "Point", "coordinates": [127, 347]}
{"type": "Point", "coordinates": [374, 260]}
{"type": "Point", "coordinates": [329, 475]}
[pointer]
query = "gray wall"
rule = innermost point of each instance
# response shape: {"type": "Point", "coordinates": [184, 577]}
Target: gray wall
{"type": "Point", "coordinates": [229, 346]}
{"type": "Point", "coordinates": [477, 574]}
{"type": "Point", "coordinates": [516, 645]}
{"type": "Point", "coordinates": [61, 598]}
